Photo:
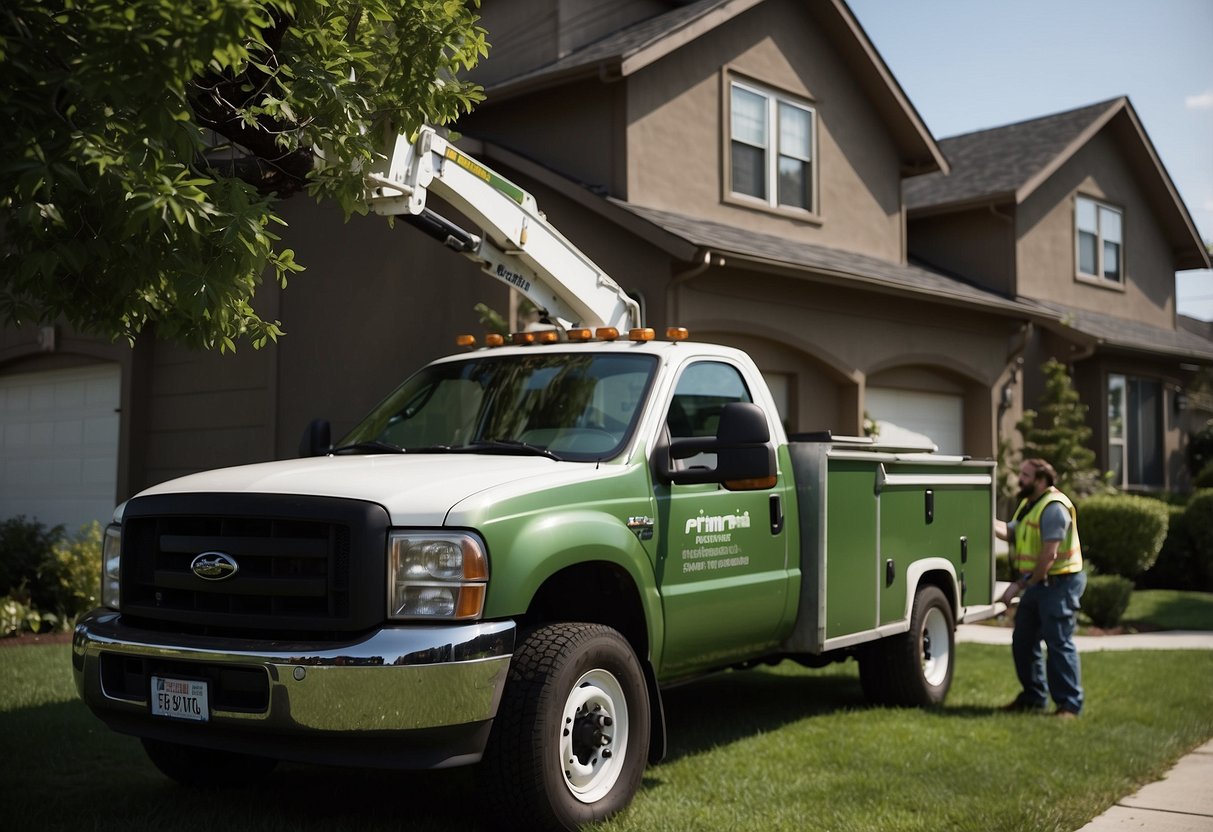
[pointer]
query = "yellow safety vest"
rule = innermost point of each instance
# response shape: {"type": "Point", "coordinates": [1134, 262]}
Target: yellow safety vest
{"type": "Point", "coordinates": [1028, 542]}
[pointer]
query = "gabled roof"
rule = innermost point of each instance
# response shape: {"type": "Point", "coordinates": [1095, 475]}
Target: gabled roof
{"type": "Point", "coordinates": [635, 47]}
{"type": "Point", "coordinates": [1009, 163]}
{"type": "Point", "coordinates": [629, 49]}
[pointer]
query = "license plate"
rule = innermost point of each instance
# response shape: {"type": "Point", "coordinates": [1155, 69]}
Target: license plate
{"type": "Point", "coordinates": [180, 699]}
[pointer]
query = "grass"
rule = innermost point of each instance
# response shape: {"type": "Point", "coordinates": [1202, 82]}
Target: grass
{"type": "Point", "coordinates": [777, 749]}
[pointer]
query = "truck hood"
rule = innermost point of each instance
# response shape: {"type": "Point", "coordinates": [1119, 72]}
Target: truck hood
{"type": "Point", "coordinates": [416, 490]}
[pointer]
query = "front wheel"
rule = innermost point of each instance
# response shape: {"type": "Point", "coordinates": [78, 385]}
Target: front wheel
{"type": "Point", "coordinates": [913, 668]}
{"type": "Point", "coordinates": [571, 736]}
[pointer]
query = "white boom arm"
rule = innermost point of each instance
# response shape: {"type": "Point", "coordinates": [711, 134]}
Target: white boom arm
{"type": "Point", "coordinates": [516, 244]}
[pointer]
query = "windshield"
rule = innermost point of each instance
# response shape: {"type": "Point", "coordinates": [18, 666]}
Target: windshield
{"type": "Point", "coordinates": [580, 406]}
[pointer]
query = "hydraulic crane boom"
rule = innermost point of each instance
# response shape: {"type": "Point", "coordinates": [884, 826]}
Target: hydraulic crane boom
{"type": "Point", "coordinates": [516, 243]}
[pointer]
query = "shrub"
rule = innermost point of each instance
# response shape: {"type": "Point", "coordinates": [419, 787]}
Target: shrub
{"type": "Point", "coordinates": [1204, 479]}
{"type": "Point", "coordinates": [16, 617]}
{"type": "Point", "coordinates": [1200, 449]}
{"type": "Point", "coordinates": [1175, 567]}
{"type": "Point", "coordinates": [46, 578]}
{"type": "Point", "coordinates": [72, 573]}
{"type": "Point", "coordinates": [1106, 599]}
{"type": "Point", "coordinates": [1121, 534]}
{"type": "Point", "coordinates": [1198, 518]}
{"type": "Point", "coordinates": [24, 547]}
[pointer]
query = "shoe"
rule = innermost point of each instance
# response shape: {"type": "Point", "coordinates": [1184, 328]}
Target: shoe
{"type": "Point", "coordinates": [1018, 706]}
{"type": "Point", "coordinates": [1065, 713]}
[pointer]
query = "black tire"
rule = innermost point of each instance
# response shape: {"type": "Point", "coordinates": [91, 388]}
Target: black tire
{"type": "Point", "coordinates": [571, 737]}
{"type": "Point", "coordinates": [913, 669]}
{"type": "Point", "coordinates": [207, 768]}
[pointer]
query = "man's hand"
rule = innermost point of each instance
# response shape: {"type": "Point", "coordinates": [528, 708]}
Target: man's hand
{"type": "Point", "coordinates": [1010, 592]}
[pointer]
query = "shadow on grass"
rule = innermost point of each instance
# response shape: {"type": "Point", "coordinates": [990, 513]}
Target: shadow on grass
{"type": "Point", "coordinates": [739, 704]}
{"type": "Point", "coordinates": [61, 749]}
{"type": "Point", "coordinates": [64, 769]}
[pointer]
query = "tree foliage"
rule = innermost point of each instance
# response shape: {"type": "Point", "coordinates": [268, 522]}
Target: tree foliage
{"type": "Point", "coordinates": [1057, 431]}
{"type": "Point", "coordinates": [147, 143]}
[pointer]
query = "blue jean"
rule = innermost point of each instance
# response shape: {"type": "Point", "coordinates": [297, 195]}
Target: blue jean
{"type": "Point", "coordinates": [1048, 613]}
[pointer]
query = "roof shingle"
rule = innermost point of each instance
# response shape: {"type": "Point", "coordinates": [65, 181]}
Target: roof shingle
{"type": "Point", "coordinates": [1001, 160]}
{"type": "Point", "coordinates": [862, 268]}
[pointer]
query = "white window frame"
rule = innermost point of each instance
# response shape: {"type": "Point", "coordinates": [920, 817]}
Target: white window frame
{"type": "Point", "coordinates": [773, 154]}
{"type": "Point", "coordinates": [1102, 210]}
{"type": "Point", "coordinates": [1126, 440]}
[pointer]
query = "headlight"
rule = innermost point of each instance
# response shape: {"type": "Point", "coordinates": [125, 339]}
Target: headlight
{"type": "Point", "coordinates": [111, 559]}
{"type": "Point", "coordinates": [436, 575]}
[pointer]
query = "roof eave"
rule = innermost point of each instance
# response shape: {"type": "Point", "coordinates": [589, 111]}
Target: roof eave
{"type": "Point", "coordinates": [664, 240]}
{"type": "Point", "coordinates": [927, 156]}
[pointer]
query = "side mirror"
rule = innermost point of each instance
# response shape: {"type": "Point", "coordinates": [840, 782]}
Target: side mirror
{"type": "Point", "coordinates": [317, 438]}
{"type": "Point", "coordinates": [745, 459]}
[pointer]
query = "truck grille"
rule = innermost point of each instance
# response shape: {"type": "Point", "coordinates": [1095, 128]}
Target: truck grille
{"type": "Point", "coordinates": [306, 565]}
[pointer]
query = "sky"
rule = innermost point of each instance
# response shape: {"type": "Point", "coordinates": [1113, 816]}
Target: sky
{"type": "Point", "coordinates": [971, 64]}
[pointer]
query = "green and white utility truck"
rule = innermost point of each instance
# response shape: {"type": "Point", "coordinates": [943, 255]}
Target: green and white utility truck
{"type": "Point", "coordinates": [512, 555]}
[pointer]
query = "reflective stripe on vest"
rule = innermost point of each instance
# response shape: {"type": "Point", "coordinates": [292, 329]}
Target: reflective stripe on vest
{"type": "Point", "coordinates": [1028, 542]}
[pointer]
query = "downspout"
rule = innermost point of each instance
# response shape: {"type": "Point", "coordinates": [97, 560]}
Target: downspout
{"type": "Point", "coordinates": [704, 260]}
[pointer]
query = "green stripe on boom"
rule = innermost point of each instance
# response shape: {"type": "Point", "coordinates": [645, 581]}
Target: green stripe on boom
{"type": "Point", "coordinates": [491, 177]}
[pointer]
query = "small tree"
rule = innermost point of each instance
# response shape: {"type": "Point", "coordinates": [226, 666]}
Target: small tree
{"type": "Point", "coordinates": [1059, 433]}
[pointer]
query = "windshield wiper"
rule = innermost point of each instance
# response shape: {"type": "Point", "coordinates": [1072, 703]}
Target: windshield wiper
{"type": "Point", "coordinates": [512, 446]}
{"type": "Point", "coordinates": [374, 446]}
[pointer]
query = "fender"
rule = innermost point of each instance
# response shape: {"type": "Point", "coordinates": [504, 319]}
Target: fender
{"type": "Point", "coordinates": [914, 574]}
{"type": "Point", "coordinates": [525, 551]}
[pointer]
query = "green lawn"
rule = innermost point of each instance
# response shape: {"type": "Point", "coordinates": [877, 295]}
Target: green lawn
{"type": "Point", "coordinates": [778, 749]}
{"type": "Point", "coordinates": [1170, 609]}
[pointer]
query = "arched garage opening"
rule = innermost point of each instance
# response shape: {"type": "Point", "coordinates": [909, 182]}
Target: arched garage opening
{"type": "Point", "coordinates": [928, 402]}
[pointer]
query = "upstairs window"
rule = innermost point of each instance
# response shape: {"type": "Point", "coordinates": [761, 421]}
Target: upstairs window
{"type": "Point", "coordinates": [1100, 240]}
{"type": "Point", "coordinates": [771, 141]}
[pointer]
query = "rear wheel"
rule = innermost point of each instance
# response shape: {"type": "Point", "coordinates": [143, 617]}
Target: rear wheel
{"type": "Point", "coordinates": [913, 668]}
{"type": "Point", "coordinates": [207, 768]}
{"type": "Point", "coordinates": [571, 736]}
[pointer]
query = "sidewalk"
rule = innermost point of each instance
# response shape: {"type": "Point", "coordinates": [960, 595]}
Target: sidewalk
{"type": "Point", "coordinates": [1183, 800]}
{"type": "Point", "coordinates": [1169, 640]}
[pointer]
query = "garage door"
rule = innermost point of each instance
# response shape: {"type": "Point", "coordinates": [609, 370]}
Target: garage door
{"type": "Point", "coordinates": [909, 416]}
{"type": "Point", "coordinates": [59, 445]}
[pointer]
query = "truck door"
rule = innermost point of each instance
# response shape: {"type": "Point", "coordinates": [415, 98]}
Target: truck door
{"type": "Point", "coordinates": [722, 560]}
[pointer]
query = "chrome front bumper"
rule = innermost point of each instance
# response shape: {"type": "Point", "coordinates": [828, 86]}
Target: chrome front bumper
{"type": "Point", "coordinates": [415, 696]}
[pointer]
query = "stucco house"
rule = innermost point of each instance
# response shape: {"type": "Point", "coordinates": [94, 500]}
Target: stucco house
{"type": "Point", "coordinates": [749, 169]}
{"type": "Point", "coordinates": [1075, 214]}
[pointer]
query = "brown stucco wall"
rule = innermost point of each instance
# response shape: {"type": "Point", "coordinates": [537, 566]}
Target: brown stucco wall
{"type": "Point", "coordinates": [576, 130]}
{"type": "Point", "coordinates": [976, 244]}
{"type": "Point", "coordinates": [1045, 246]}
{"type": "Point", "coordinates": [375, 304]}
{"type": "Point", "coordinates": [676, 119]}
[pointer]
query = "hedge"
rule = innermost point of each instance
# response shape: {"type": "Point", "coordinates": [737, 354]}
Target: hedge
{"type": "Point", "coordinates": [1186, 559]}
{"type": "Point", "coordinates": [1174, 568]}
{"type": "Point", "coordinates": [1198, 518]}
{"type": "Point", "coordinates": [1122, 534]}
{"type": "Point", "coordinates": [1106, 598]}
